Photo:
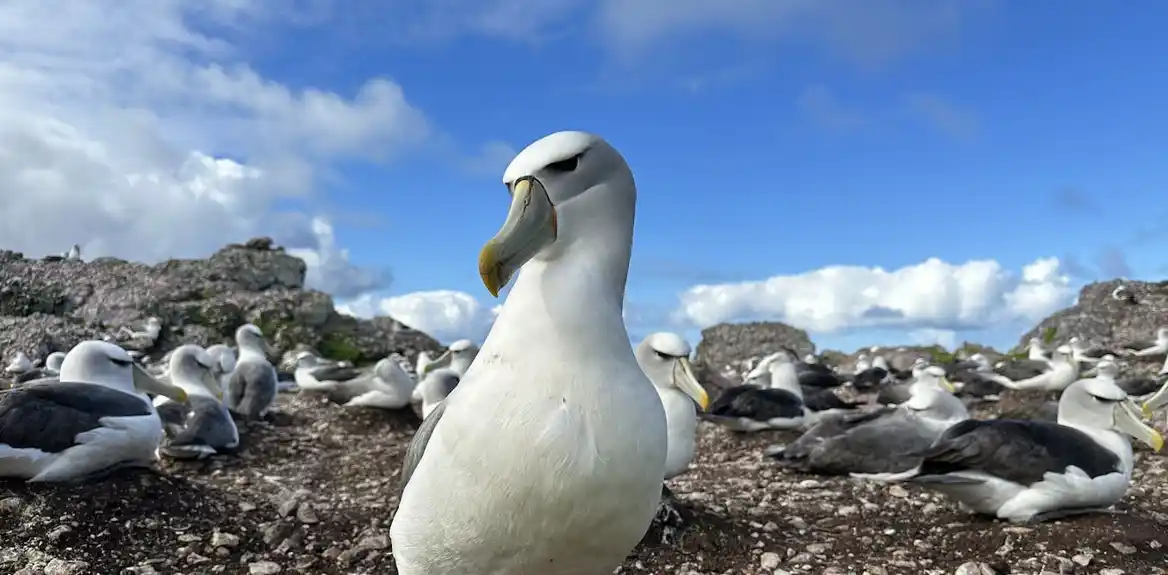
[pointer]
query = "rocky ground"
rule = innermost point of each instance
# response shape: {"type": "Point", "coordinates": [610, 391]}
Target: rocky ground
{"type": "Point", "coordinates": [313, 492]}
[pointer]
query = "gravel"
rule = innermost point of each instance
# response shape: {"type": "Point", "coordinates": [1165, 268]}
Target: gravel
{"type": "Point", "coordinates": [313, 491]}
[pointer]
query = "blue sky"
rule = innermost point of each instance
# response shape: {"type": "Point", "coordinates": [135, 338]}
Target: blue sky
{"type": "Point", "coordinates": [768, 139]}
{"type": "Point", "coordinates": [1013, 133]}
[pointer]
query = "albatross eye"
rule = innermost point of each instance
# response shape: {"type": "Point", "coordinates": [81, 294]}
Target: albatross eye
{"type": "Point", "coordinates": [121, 362]}
{"type": "Point", "coordinates": [664, 356]}
{"type": "Point", "coordinates": [565, 166]}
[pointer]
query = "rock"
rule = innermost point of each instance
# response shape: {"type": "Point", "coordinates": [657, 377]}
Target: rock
{"type": "Point", "coordinates": [48, 306]}
{"type": "Point", "coordinates": [221, 539]}
{"type": "Point", "coordinates": [263, 568]}
{"type": "Point", "coordinates": [1101, 321]}
{"type": "Point", "coordinates": [727, 343]}
{"type": "Point", "coordinates": [769, 560]}
{"type": "Point", "coordinates": [975, 568]}
{"type": "Point", "coordinates": [62, 567]}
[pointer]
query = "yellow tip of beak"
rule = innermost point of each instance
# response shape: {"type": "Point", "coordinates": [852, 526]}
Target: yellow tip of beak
{"type": "Point", "coordinates": [1147, 409]}
{"type": "Point", "coordinates": [181, 394]}
{"type": "Point", "coordinates": [489, 269]}
{"type": "Point", "coordinates": [1157, 441]}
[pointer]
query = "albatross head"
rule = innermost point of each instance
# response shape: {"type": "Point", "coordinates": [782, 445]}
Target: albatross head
{"type": "Point", "coordinates": [458, 356]}
{"type": "Point", "coordinates": [250, 338]}
{"type": "Point", "coordinates": [565, 188]}
{"type": "Point", "coordinates": [103, 363]}
{"type": "Point", "coordinates": [935, 376]}
{"type": "Point", "coordinates": [54, 361]}
{"type": "Point", "coordinates": [1101, 404]}
{"type": "Point", "coordinates": [664, 357]}
{"type": "Point", "coordinates": [192, 368]}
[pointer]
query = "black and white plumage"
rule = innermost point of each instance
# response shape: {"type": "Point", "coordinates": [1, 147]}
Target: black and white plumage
{"type": "Point", "coordinates": [1061, 372]}
{"type": "Point", "coordinates": [779, 404]}
{"type": "Point", "coordinates": [202, 426]}
{"type": "Point", "coordinates": [1122, 294]}
{"type": "Point", "coordinates": [929, 376]}
{"type": "Point", "coordinates": [1036, 470]}
{"type": "Point", "coordinates": [978, 378]}
{"type": "Point", "coordinates": [389, 387]}
{"type": "Point", "coordinates": [1082, 354]}
{"type": "Point", "coordinates": [252, 385]}
{"type": "Point", "coordinates": [880, 441]}
{"type": "Point", "coordinates": [96, 418]}
{"type": "Point", "coordinates": [1156, 348]}
{"type": "Point", "coordinates": [433, 389]}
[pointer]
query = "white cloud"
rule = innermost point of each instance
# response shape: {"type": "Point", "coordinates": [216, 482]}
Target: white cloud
{"type": "Point", "coordinates": [330, 270]}
{"type": "Point", "coordinates": [932, 294]}
{"type": "Point", "coordinates": [445, 315]}
{"type": "Point", "coordinates": [137, 129]}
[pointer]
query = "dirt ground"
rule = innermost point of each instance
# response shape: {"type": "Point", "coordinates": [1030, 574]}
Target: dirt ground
{"type": "Point", "coordinates": [313, 492]}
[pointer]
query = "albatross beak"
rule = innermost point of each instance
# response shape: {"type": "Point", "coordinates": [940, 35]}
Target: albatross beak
{"type": "Point", "coordinates": [1156, 401]}
{"type": "Point", "coordinates": [1127, 420]}
{"type": "Point", "coordinates": [212, 384]}
{"type": "Point", "coordinates": [530, 227]}
{"type": "Point", "coordinates": [145, 383]}
{"type": "Point", "coordinates": [684, 379]}
{"type": "Point", "coordinates": [947, 386]}
{"type": "Point", "coordinates": [442, 361]}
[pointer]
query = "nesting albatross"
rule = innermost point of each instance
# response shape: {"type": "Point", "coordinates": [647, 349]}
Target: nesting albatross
{"type": "Point", "coordinates": [201, 427]}
{"type": "Point", "coordinates": [549, 456]}
{"type": "Point", "coordinates": [1026, 471]}
{"type": "Point", "coordinates": [96, 418]}
{"type": "Point", "coordinates": [251, 387]}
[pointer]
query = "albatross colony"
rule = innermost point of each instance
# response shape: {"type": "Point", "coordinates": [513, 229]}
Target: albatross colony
{"type": "Point", "coordinates": [558, 448]}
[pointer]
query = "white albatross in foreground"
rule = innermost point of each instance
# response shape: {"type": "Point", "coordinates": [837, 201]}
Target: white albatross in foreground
{"type": "Point", "coordinates": [1030, 471]}
{"type": "Point", "coordinates": [549, 456]}
{"type": "Point", "coordinates": [95, 419]}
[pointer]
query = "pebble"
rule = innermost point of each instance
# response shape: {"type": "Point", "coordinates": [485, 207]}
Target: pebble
{"type": "Point", "coordinates": [769, 560]}
{"type": "Point", "coordinates": [263, 568]}
{"type": "Point", "coordinates": [222, 539]}
{"type": "Point", "coordinates": [975, 568]}
{"type": "Point", "coordinates": [1122, 547]}
{"type": "Point", "coordinates": [62, 567]}
{"type": "Point", "coordinates": [1083, 559]}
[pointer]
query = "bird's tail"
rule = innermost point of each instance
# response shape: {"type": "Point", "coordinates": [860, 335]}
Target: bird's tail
{"type": "Point", "coordinates": [892, 477]}
{"type": "Point", "coordinates": [187, 451]}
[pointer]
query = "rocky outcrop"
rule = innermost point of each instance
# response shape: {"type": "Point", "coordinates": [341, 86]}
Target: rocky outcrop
{"type": "Point", "coordinates": [1101, 320]}
{"type": "Point", "coordinates": [52, 304]}
{"type": "Point", "coordinates": [726, 343]}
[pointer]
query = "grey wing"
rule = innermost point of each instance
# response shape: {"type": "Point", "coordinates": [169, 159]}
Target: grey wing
{"type": "Point", "coordinates": [334, 373]}
{"type": "Point", "coordinates": [417, 446]}
{"type": "Point", "coordinates": [1138, 385]}
{"type": "Point", "coordinates": [236, 386]}
{"type": "Point", "coordinates": [49, 416]}
{"type": "Point", "coordinates": [1138, 345]}
{"type": "Point", "coordinates": [257, 387]}
{"type": "Point", "coordinates": [207, 423]}
{"type": "Point", "coordinates": [1018, 451]}
{"type": "Point", "coordinates": [886, 445]}
{"type": "Point", "coordinates": [893, 394]}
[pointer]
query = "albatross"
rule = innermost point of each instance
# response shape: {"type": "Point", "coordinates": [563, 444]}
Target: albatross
{"type": "Point", "coordinates": [1030, 471]}
{"type": "Point", "coordinates": [95, 419]}
{"type": "Point", "coordinates": [549, 457]}
{"type": "Point", "coordinates": [19, 364]}
{"type": "Point", "coordinates": [458, 357]}
{"type": "Point", "coordinates": [202, 426]}
{"type": "Point", "coordinates": [251, 387]}
{"type": "Point", "coordinates": [1147, 348]}
{"type": "Point", "coordinates": [664, 357]}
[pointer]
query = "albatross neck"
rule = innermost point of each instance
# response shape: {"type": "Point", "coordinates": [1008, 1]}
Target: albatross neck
{"type": "Point", "coordinates": [573, 302]}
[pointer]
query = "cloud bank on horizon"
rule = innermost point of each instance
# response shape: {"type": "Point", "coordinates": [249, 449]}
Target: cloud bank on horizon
{"type": "Point", "coordinates": [141, 129]}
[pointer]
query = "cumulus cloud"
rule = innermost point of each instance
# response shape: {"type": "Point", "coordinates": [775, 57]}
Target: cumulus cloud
{"type": "Point", "coordinates": [445, 315]}
{"type": "Point", "coordinates": [933, 295]}
{"type": "Point", "coordinates": [330, 270]}
{"type": "Point", "coordinates": [142, 132]}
